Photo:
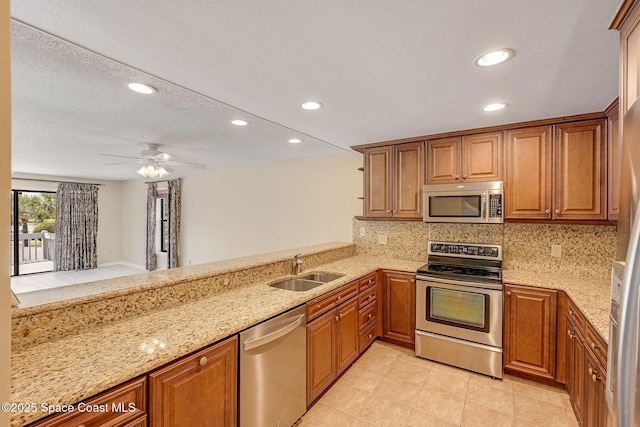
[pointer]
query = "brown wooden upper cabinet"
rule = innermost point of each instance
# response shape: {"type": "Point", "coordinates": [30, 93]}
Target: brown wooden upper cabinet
{"type": "Point", "coordinates": [393, 180]}
{"type": "Point", "coordinates": [614, 147]}
{"type": "Point", "coordinates": [527, 183]}
{"type": "Point", "coordinates": [580, 166]}
{"type": "Point", "coordinates": [557, 176]}
{"type": "Point", "coordinates": [470, 158]}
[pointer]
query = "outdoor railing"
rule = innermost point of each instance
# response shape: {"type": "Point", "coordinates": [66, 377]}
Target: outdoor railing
{"type": "Point", "coordinates": [33, 247]}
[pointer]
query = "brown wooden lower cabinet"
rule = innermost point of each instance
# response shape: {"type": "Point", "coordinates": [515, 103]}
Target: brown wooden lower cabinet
{"type": "Point", "coordinates": [399, 307]}
{"type": "Point", "coordinates": [333, 343]}
{"type": "Point", "coordinates": [530, 331]}
{"type": "Point", "coordinates": [197, 390]}
{"type": "Point", "coordinates": [124, 405]}
{"type": "Point", "coordinates": [586, 374]}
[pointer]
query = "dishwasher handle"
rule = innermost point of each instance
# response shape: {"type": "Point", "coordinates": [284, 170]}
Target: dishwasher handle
{"type": "Point", "coordinates": [265, 339]}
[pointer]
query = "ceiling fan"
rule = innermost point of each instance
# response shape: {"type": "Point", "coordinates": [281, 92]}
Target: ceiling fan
{"type": "Point", "coordinates": [155, 163]}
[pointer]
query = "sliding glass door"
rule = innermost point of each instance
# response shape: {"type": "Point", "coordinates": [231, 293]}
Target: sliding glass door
{"type": "Point", "coordinates": [32, 231]}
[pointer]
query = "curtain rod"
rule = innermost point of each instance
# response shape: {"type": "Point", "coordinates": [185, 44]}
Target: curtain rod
{"type": "Point", "coordinates": [163, 180]}
{"type": "Point", "coordinates": [57, 182]}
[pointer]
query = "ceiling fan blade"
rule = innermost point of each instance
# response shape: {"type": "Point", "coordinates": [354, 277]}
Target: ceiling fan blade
{"type": "Point", "coordinates": [121, 157]}
{"type": "Point", "coordinates": [163, 157]}
{"type": "Point", "coordinates": [130, 162]}
{"type": "Point", "coordinates": [186, 164]}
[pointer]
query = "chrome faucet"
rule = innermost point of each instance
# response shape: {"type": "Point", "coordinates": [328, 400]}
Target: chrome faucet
{"type": "Point", "coordinates": [297, 264]}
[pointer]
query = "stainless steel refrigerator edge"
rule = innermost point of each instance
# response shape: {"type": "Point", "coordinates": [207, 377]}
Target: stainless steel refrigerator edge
{"type": "Point", "coordinates": [623, 358]}
{"type": "Point", "coordinates": [273, 371]}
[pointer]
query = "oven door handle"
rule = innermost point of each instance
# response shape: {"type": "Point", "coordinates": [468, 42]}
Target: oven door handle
{"type": "Point", "coordinates": [475, 285]}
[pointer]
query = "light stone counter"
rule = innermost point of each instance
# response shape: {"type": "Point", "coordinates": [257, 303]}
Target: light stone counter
{"type": "Point", "coordinates": [590, 295]}
{"type": "Point", "coordinates": [74, 367]}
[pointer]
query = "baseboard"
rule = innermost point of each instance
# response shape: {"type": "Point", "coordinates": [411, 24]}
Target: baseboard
{"type": "Point", "coordinates": [128, 264]}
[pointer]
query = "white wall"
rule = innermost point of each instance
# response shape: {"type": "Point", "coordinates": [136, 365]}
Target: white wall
{"type": "Point", "coordinates": [250, 210]}
{"type": "Point", "coordinates": [109, 207]}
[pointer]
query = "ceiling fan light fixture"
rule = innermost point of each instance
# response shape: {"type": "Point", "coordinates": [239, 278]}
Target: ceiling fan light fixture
{"type": "Point", "coordinates": [295, 141]}
{"type": "Point", "coordinates": [239, 122]}
{"type": "Point", "coordinates": [153, 170]}
{"type": "Point", "coordinates": [142, 88]}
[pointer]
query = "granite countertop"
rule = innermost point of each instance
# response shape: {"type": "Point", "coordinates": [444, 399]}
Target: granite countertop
{"type": "Point", "coordinates": [75, 367]}
{"type": "Point", "coordinates": [590, 295]}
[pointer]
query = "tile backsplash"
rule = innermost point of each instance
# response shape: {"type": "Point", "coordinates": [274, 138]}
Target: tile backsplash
{"type": "Point", "coordinates": [586, 250]}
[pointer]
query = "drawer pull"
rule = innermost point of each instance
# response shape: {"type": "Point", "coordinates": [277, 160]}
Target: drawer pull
{"type": "Point", "coordinates": [370, 296]}
{"type": "Point", "coordinates": [370, 336]}
{"type": "Point", "coordinates": [369, 317]}
{"type": "Point", "coordinates": [203, 361]}
{"type": "Point", "coordinates": [337, 318]}
{"type": "Point", "coordinates": [341, 315]}
{"type": "Point", "coordinates": [339, 297]}
{"type": "Point", "coordinates": [319, 305]}
{"type": "Point", "coordinates": [570, 313]}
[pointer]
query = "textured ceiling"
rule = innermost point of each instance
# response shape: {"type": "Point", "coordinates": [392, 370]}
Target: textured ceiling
{"type": "Point", "coordinates": [383, 70]}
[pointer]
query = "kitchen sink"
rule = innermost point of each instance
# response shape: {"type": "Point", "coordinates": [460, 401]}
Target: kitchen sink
{"type": "Point", "coordinates": [297, 284]}
{"type": "Point", "coordinates": [321, 276]}
{"type": "Point", "coordinates": [306, 282]}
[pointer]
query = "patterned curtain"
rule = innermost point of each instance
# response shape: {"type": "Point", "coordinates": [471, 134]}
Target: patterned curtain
{"type": "Point", "coordinates": [152, 194]}
{"type": "Point", "coordinates": [76, 227]}
{"type": "Point", "coordinates": [175, 207]}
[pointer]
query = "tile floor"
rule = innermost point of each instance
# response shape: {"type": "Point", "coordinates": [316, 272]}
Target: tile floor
{"type": "Point", "coordinates": [389, 386]}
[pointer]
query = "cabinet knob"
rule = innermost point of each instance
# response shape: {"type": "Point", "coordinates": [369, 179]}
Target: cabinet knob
{"type": "Point", "coordinates": [590, 371]}
{"type": "Point", "coordinates": [369, 316]}
{"type": "Point", "coordinates": [203, 361]}
{"type": "Point", "coordinates": [337, 318]}
{"type": "Point", "coordinates": [319, 305]}
{"type": "Point", "coordinates": [571, 313]}
{"type": "Point", "coordinates": [593, 345]}
{"type": "Point", "coordinates": [370, 336]}
{"type": "Point", "coordinates": [413, 280]}
{"type": "Point", "coordinates": [338, 299]}
{"type": "Point", "coordinates": [457, 176]}
{"type": "Point", "coordinates": [557, 211]}
{"type": "Point", "coordinates": [508, 293]}
{"type": "Point", "coordinates": [370, 296]}
{"type": "Point", "coordinates": [464, 176]}
{"type": "Point", "coordinates": [594, 377]}
{"type": "Point", "coordinates": [547, 211]}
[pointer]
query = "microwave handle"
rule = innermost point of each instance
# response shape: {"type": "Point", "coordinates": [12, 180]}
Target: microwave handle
{"type": "Point", "coordinates": [483, 208]}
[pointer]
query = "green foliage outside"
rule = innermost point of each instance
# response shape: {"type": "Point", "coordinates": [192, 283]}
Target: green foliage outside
{"type": "Point", "coordinates": [36, 207]}
{"type": "Point", "coordinates": [48, 225]}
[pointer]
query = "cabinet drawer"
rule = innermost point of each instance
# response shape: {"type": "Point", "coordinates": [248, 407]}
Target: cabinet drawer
{"type": "Point", "coordinates": [597, 346]}
{"type": "Point", "coordinates": [108, 408]}
{"type": "Point", "coordinates": [367, 315]}
{"type": "Point", "coordinates": [367, 297]}
{"type": "Point", "coordinates": [574, 314]}
{"type": "Point", "coordinates": [367, 281]}
{"type": "Point", "coordinates": [367, 337]}
{"type": "Point", "coordinates": [322, 304]}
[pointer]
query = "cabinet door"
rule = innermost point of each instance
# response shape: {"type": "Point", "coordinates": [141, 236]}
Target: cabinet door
{"type": "Point", "coordinates": [580, 165]}
{"type": "Point", "coordinates": [630, 60]}
{"type": "Point", "coordinates": [443, 160]}
{"type": "Point", "coordinates": [482, 157]}
{"type": "Point", "coordinates": [575, 369]}
{"type": "Point", "coordinates": [614, 147]}
{"type": "Point", "coordinates": [399, 307]}
{"type": "Point", "coordinates": [530, 330]}
{"type": "Point", "coordinates": [527, 182]}
{"type": "Point", "coordinates": [198, 390]}
{"type": "Point", "coordinates": [321, 354]}
{"type": "Point", "coordinates": [347, 337]}
{"type": "Point", "coordinates": [378, 181]}
{"type": "Point", "coordinates": [408, 180]}
{"type": "Point", "coordinates": [595, 408]}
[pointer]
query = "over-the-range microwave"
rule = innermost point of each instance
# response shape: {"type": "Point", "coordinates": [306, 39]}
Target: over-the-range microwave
{"type": "Point", "coordinates": [474, 202]}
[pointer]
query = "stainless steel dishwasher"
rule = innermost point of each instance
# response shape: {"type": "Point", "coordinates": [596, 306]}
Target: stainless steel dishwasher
{"type": "Point", "coordinates": [273, 371]}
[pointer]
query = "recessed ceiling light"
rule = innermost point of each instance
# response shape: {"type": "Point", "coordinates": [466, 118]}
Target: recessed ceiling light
{"type": "Point", "coordinates": [295, 141]}
{"type": "Point", "coordinates": [310, 105]}
{"type": "Point", "coordinates": [141, 88]}
{"type": "Point", "coordinates": [239, 122]}
{"type": "Point", "coordinates": [494, 107]}
{"type": "Point", "coordinates": [494, 57]}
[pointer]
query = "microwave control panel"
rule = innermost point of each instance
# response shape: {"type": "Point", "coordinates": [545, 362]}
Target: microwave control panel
{"type": "Point", "coordinates": [495, 205]}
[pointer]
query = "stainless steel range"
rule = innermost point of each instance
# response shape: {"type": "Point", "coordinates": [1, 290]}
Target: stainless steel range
{"type": "Point", "coordinates": [459, 306]}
